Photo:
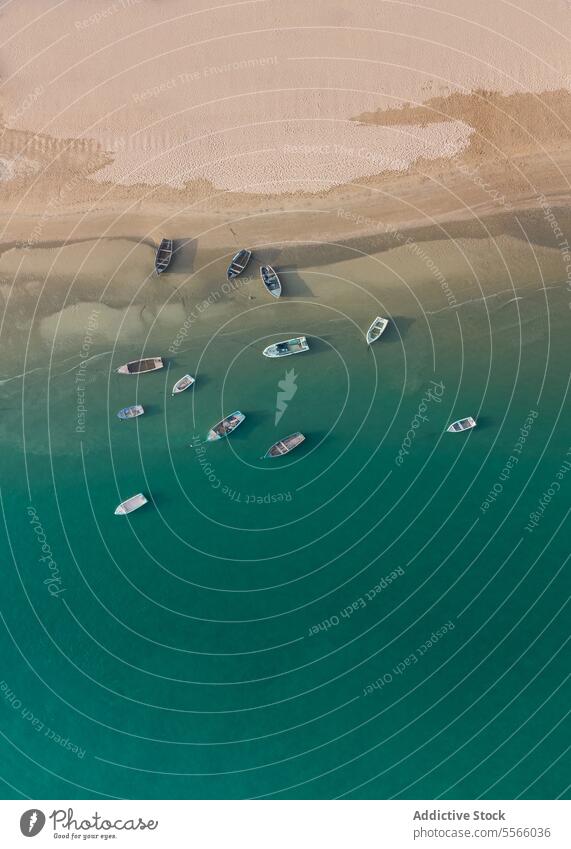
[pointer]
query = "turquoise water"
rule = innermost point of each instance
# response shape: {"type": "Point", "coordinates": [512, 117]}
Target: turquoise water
{"type": "Point", "coordinates": [347, 621]}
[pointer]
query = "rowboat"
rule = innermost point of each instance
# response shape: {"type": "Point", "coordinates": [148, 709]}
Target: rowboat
{"type": "Point", "coordinates": [141, 366]}
{"type": "Point", "coordinates": [462, 424]}
{"type": "Point", "coordinates": [163, 256]}
{"type": "Point", "coordinates": [284, 446]}
{"type": "Point", "coordinates": [226, 426]}
{"type": "Point", "coordinates": [376, 329]}
{"type": "Point", "coordinates": [239, 263]}
{"type": "Point", "coordinates": [271, 280]}
{"type": "Point", "coordinates": [285, 349]}
{"type": "Point", "coordinates": [130, 504]}
{"type": "Point", "coordinates": [130, 412]}
{"type": "Point", "coordinates": [182, 384]}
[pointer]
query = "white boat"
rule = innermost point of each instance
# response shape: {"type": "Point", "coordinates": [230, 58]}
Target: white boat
{"type": "Point", "coordinates": [284, 446]}
{"type": "Point", "coordinates": [376, 329]}
{"type": "Point", "coordinates": [462, 424]}
{"type": "Point", "coordinates": [271, 280]}
{"type": "Point", "coordinates": [226, 426]}
{"type": "Point", "coordinates": [182, 384]}
{"type": "Point", "coordinates": [141, 366]}
{"type": "Point", "coordinates": [131, 504]}
{"type": "Point", "coordinates": [239, 263]}
{"type": "Point", "coordinates": [285, 349]}
{"type": "Point", "coordinates": [130, 412]}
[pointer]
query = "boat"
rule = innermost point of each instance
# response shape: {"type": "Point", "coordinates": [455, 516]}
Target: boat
{"type": "Point", "coordinates": [226, 426]}
{"type": "Point", "coordinates": [462, 424]}
{"type": "Point", "coordinates": [271, 280]}
{"type": "Point", "coordinates": [239, 263]}
{"type": "Point", "coordinates": [376, 329]}
{"type": "Point", "coordinates": [164, 255]}
{"type": "Point", "coordinates": [182, 384]}
{"type": "Point", "coordinates": [141, 366]}
{"type": "Point", "coordinates": [131, 504]}
{"type": "Point", "coordinates": [130, 412]}
{"type": "Point", "coordinates": [284, 446]}
{"type": "Point", "coordinates": [285, 349]}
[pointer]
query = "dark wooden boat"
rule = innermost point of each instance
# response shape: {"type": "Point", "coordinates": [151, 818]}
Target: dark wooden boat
{"type": "Point", "coordinates": [284, 446]}
{"type": "Point", "coordinates": [271, 280]}
{"type": "Point", "coordinates": [239, 263]}
{"type": "Point", "coordinates": [141, 366]}
{"type": "Point", "coordinates": [164, 255]}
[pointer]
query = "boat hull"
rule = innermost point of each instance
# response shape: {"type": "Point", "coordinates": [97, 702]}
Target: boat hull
{"type": "Point", "coordinates": [225, 427]}
{"type": "Point", "coordinates": [130, 412]}
{"type": "Point", "coordinates": [271, 281]}
{"type": "Point", "coordinates": [141, 366]}
{"type": "Point", "coordinates": [376, 329]}
{"type": "Point", "coordinates": [131, 504]}
{"type": "Point", "coordinates": [184, 383]}
{"type": "Point", "coordinates": [461, 425]}
{"type": "Point", "coordinates": [163, 256]}
{"type": "Point", "coordinates": [284, 446]}
{"type": "Point", "coordinates": [238, 264]}
{"type": "Point", "coordinates": [286, 348]}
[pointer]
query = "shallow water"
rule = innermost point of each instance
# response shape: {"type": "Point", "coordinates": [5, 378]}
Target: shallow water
{"type": "Point", "coordinates": [376, 615]}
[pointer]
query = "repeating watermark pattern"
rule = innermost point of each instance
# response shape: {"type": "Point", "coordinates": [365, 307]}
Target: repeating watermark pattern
{"type": "Point", "coordinates": [475, 178]}
{"type": "Point", "coordinates": [511, 462]}
{"type": "Point", "coordinates": [547, 497]}
{"type": "Point", "coordinates": [229, 492]}
{"type": "Point", "coordinates": [433, 393]}
{"type": "Point", "coordinates": [409, 660]}
{"type": "Point", "coordinates": [363, 153]}
{"type": "Point", "coordinates": [37, 724]}
{"type": "Point", "coordinates": [407, 242]}
{"type": "Point", "coordinates": [194, 76]}
{"type": "Point", "coordinates": [358, 604]}
{"type": "Point", "coordinates": [27, 103]}
{"type": "Point", "coordinates": [54, 580]}
{"type": "Point", "coordinates": [287, 387]}
{"type": "Point", "coordinates": [81, 373]}
{"type": "Point", "coordinates": [109, 11]}
{"type": "Point", "coordinates": [562, 242]}
{"type": "Point", "coordinates": [195, 313]}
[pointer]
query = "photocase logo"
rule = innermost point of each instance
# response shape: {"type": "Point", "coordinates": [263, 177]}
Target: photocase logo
{"type": "Point", "coordinates": [286, 390]}
{"type": "Point", "coordinates": [32, 822]}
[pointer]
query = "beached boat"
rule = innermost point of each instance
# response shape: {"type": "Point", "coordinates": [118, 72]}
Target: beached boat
{"type": "Point", "coordinates": [271, 280]}
{"type": "Point", "coordinates": [130, 412]}
{"type": "Point", "coordinates": [163, 256]}
{"type": "Point", "coordinates": [285, 349]}
{"type": "Point", "coordinates": [462, 424]}
{"type": "Point", "coordinates": [182, 384]}
{"type": "Point", "coordinates": [284, 446]}
{"type": "Point", "coordinates": [131, 504]}
{"type": "Point", "coordinates": [376, 329]}
{"type": "Point", "coordinates": [239, 263]}
{"type": "Point", "coordinates": [226, 426]}
{"type": "Point", "coordinates": [141, 366]}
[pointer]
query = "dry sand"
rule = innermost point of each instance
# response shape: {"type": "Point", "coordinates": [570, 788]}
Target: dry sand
{"type": "Point", "coordinates": [259, 119]}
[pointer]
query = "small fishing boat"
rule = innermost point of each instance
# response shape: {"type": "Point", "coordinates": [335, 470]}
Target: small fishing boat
{"type": "Point", "coordinates": [164, 255]}
{"type": "Point", "coordinates": [462, 424]}
{"type": "Point", "coordinates": [284, 446]}
{"type": "Point", "coordinates": [226, 426]}
{"type": "Point", "coordinates": [376, 329]}
{"type": "Point", "coordinates": [130, 412]}
{"type": "Point", "coordinates": [131, 504]}
{"type": "Point", "coordinates": [271, 280]}
{"type": "Point", "coordinates": [182, 384]}
{"type": "Point", "coordinates": [141, 366]}
{"type": "Point", "coordinates": [239, 263]}
{"type": "Point", "coordinates": [285, 349]}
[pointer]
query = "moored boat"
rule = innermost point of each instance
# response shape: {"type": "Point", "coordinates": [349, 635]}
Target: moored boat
{"type": "Point", "coordinates": [462, 424]}
{"type": "Point", "coordinates": [141, 366]}
{"type": "Point", "coordinates": [284, 446]}
{"type": "Point", "coordinates": [226, 426]}
{"type": "Point", "coordinates": [164, 255]}
{"type": "Point", "coordinates": [130, 504]}
{"type": "Point", "coordinates": [239, 263]}
{"type": "Point", "coordinates": [285, 349]}
{"type": "Point", "coordinates": [376, 329]}
{"type": "Point", "coordinates": [271, 280]}
{"type": "Point", "coordinates": [182, 384]}
{"type": "Point", "coordinates": [130, 412]}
